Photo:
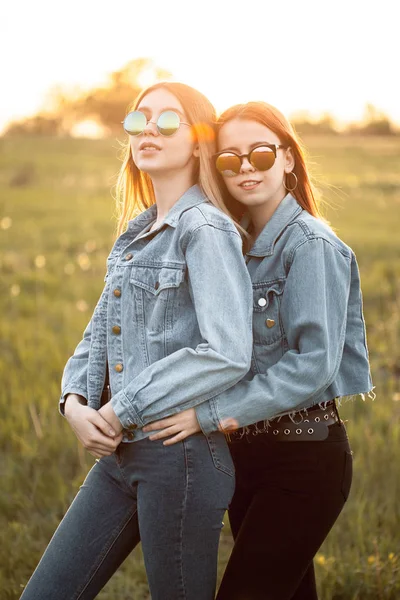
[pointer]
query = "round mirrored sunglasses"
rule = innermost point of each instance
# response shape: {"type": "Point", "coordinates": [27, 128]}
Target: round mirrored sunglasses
{"type": "Point", "coordinates": [167, 123]}
{"type": "Point", "coordinates": [262, 158]}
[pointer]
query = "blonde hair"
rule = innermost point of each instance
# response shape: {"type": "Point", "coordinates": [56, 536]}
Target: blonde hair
{"type": "Point", "coordinates": [134, 189]}
{"type": "Point", "coordinates": [271, 117]}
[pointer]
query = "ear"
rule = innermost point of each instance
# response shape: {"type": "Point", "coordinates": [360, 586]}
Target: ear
{"type": "Point", "coordinates": [289, 160]}
{"type": "Point", "coordinates": [196, 151]}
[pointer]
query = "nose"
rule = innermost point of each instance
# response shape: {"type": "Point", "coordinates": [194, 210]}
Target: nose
{"type": "Point", "coordinates": [246, 166]}
{"type": "Point", "coordinates": [151, 128]}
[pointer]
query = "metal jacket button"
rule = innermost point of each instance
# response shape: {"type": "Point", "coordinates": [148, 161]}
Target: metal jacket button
{"type": "Point", "coordinates": [132, 427]}
{"type": "Point", "coordinates": [129, 435]}
{"type": "Point", "coordinates": [128, 256]}
{"type": "Point", "coordinates": [116, 329]}
{"type": "Point", "coordinates": [156, 285]}
{"type": "Point", "coordinates": [117, 293]}
{"type": "Point", "coordinates": [270, 323]}
{"type": "Point", "coordinates": [119, 368]}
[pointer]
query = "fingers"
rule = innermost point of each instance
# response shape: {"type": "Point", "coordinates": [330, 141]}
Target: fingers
{"type": "Point", "coordinates": [100, 441]}
{"type": "Point", "coordinates": [177, 438]}
{"type": "Point", "coordinates": [100, 432]}
{"type": "Point", "coordinates": [94, 432]}
{"type": "Point", "coordinates": [160, 424]}
{"type": "Point", "coordinates": [94, 439]}
{"type": "Point", "coordinates": [98, 450]}
{"type": "Point", "coordinates": [108, 414]}
{"type": "Point", "coordinates": [105, 443]}
{"type": "Point", "coordinates": [165, 433]}
{"type": "Point", "coordinates": [102, 424]}
{"type": "Point", "coordinates": [178, 434]}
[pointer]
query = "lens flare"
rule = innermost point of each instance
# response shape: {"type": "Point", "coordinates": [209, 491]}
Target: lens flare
{"type": "Point", "coordinates": [202, 132]}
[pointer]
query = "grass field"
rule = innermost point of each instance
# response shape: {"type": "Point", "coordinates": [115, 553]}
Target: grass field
{"type": "Point", "coordinates": [56, 227]}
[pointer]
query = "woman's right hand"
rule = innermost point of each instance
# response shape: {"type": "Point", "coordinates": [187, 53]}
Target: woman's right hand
{"type": "Point", "coordinates": [91, 429]}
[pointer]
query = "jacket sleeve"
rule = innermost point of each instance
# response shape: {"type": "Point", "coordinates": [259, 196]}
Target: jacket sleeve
{"type": "Point", "coordinates": [220, 288]}
{"type": "Point", "coordinates": [313, 313]}
{"type": "Point", "coordinates": [74, 379]}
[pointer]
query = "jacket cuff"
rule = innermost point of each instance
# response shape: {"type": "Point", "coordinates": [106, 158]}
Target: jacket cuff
{"type": "Point", "coordinates": [125, 411]}
{"type": "Point", "coordinates": [207, 416]}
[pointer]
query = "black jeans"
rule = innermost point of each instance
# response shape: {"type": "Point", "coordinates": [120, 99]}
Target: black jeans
{"type": "Point", "coordinates": [288, 496]}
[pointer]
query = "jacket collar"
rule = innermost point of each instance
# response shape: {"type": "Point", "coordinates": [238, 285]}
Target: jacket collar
{"type": "Point", "coordinates": [287, 210]}
{"type": "Point", "coordinates": [192, 197]}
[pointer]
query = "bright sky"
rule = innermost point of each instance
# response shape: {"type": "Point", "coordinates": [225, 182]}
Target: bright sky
{"type": "Point", "coordinates": [313, 55]}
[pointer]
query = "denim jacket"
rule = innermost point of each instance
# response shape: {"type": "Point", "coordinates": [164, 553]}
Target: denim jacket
{"type": "Point", "coordinates": [309, 341]}
{"type": "Point", "coordinates": [173, 320]}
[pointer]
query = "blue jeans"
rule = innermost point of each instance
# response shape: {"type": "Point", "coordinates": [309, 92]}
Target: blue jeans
{"type": "Point", "coordinates": [172, 498]}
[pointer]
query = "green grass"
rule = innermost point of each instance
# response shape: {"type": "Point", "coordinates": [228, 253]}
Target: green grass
{"type": "Point", "coordinates": [56, 228]}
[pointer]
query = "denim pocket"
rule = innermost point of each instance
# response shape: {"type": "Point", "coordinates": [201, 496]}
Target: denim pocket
{"type": "Point", "coordinates": [347, 474]}
{"type": "Point", "coordinates": [156, 292]}
{"type": "Point", "coordinates": [267, 327]}
{"type": "Point", "coordinates": [220, 453]}
{"type": "Point", "coordinates": [157, 279]}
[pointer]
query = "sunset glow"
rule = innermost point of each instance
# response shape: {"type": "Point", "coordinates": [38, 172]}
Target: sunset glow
{"type": "Point", "coordinates": [314, 56]}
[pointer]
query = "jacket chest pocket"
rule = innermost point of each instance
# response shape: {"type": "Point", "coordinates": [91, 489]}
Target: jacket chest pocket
{"type": "Point", "coordinates": [157, 281]}
{"type": "Point", "coordinates": [157, 292]}
{"type": "Point", "coordinates": [267, 327]}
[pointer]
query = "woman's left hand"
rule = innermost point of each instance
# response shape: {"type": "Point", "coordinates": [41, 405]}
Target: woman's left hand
{"type": "Point", "coordinates": [180, 426]}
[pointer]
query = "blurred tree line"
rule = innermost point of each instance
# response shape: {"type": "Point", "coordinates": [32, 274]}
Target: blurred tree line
{"type": "Point", "coordinates": [103, 106]}
{"type": "Point", "coordinates": [98, 112]}
{"type": "Point", "coordinates": [374, 122]}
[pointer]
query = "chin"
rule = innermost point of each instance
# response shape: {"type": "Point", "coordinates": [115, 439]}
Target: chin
{"type": "Point", "coordinates": [150, 169]}
{"type": "Point", "coordinates": [255, 200]}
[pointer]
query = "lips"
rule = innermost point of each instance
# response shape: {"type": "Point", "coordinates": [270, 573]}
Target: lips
{"type": "Point", "coordinates": [249, 184]}
{"type": "Point", "coordinates": [149, 146]}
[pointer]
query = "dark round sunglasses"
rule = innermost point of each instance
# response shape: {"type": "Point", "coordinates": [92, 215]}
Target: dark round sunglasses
{"type": "Point", "coordinates": [167, 123]}
{"type": "Point", "coordinates": [262, 158]}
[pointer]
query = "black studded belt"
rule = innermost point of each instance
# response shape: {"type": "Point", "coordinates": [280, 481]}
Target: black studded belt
{"type": "Point", "coordinates": [304, 426]}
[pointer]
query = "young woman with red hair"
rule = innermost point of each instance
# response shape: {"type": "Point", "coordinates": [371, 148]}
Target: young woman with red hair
{"type": "Point", "coordinates": [290, 449]}
{"type": "Point", "coordinates": [172, 326]}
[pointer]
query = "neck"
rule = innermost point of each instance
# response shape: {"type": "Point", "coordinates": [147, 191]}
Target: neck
{"type": "Point", "coordinates": [167, 191]}
{"type": "Point", "coordinates": [261, 214]}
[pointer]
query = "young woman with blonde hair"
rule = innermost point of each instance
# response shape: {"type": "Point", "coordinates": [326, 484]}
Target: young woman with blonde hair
{"type": "Point", "coordinates": [171, 329]}
{"type": "Point", "coordinates": [290, 448]}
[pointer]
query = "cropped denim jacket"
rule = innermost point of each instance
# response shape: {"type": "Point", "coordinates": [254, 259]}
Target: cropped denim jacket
{"type": "Point", "coordinates": [309, 341]}
{"type": "Point", "coordinates": [173, 320]}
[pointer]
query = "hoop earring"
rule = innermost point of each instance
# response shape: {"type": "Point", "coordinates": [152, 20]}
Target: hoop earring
{"type": "Point", "coordinates": [295, 183]}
